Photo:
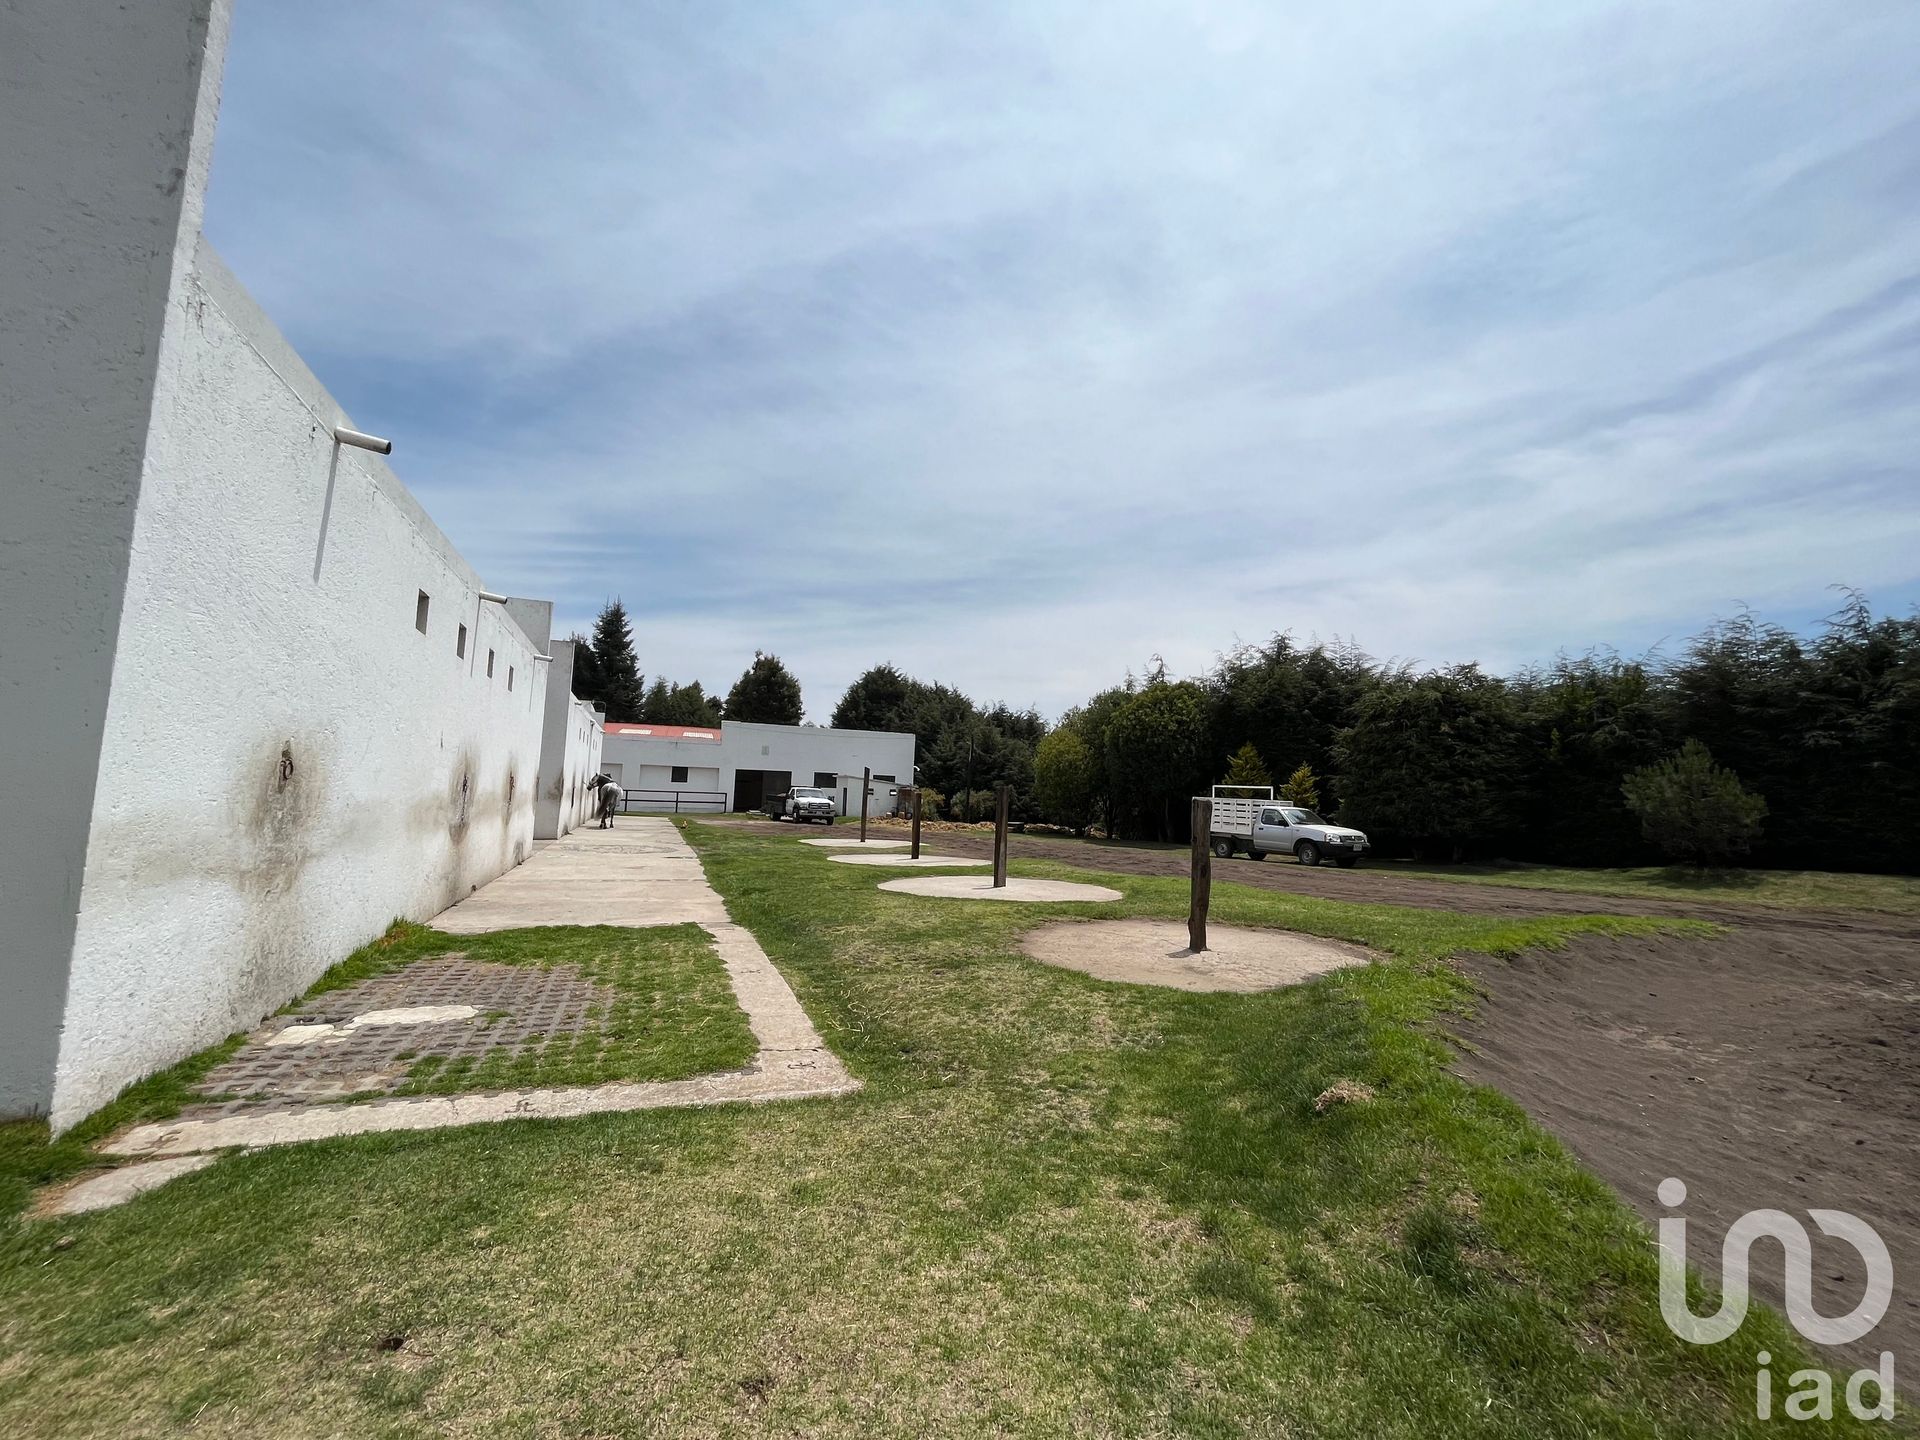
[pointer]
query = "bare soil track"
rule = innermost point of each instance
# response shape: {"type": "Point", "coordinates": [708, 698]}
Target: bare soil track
{"type": "Point", "coordinates": [1777, 1065]}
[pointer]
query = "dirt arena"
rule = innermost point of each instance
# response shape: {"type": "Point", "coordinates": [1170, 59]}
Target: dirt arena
{"type": "Point", "coordinates": [1777, 1065]}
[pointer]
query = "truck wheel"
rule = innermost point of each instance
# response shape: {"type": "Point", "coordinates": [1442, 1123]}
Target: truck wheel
{"type": "Point", "coordinates": [1258, 854]}
{"type": "Point", "coordinates": [1224, 849]}
{"type": "Point", "coordinates": [1307, 852]}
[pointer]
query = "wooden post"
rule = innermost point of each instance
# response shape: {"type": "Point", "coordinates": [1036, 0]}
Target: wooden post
{"type": "Point", "coordinates": [1201, 895]}
{"type": "Point", "coordinates": [915, 854]}
{"type": "Point", "coordinates": [1001, 795]}
{"type": "Point", "coordinates": [866, 789]}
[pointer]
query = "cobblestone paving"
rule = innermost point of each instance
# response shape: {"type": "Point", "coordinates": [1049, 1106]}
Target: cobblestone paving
{"type": "Point", "coordinates": [517, 1005]}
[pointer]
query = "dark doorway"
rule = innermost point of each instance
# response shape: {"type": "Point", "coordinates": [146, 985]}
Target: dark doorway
{"type": "Point", "coordinates": [753, 788]}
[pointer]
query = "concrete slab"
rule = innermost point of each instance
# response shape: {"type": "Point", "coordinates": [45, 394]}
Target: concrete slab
{"type": "Point", "coordinates": [902, 862]}
{"type": "Point", "coordinates": [1154, 952]}
{"type": "Point", "coordinates": [980, 887]}
{"type": "Point", "coordinates": [413, 1015]}
{"type": "Point", "coordinates": [640, 873]}
{"type": "Point", "coordinates": [855, 842]}
{"type": "Point", "coordinates": [773, 1075]}
{"type": "Point", "coordinates": [116, 1187]}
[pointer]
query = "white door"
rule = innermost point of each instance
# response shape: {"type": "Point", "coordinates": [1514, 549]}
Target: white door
{"type": "Point", "coordinates": [1271, 832]}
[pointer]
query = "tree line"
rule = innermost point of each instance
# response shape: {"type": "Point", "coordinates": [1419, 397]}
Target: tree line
{"type": "Point", "coordinates": [1794, 750]}
{"type": "Point", "coordinates": [606, 673]}
{"type": "Point", "coordinates": [1752, 741]}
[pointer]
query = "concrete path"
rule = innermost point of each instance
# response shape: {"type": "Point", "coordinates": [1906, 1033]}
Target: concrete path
{"type": "Point", "coordinates": [639, 873]}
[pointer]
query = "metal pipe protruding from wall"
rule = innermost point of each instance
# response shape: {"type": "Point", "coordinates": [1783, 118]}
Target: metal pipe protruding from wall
{"type": "Point", "coordinates": [361, 440]}
{"type": "Point", "coordinates": [496, 599]}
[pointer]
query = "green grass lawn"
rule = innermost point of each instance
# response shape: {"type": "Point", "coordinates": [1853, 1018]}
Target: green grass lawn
{"type": "Point", "coordinates": [1059, 1207]}
{"type": "Point", "coordinates": [1782, 889]}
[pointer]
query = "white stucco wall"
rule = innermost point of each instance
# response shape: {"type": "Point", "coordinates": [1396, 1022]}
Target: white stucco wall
{"type": "Point", "coordinates": [288, 763]}
{"type": "Point", "coordinates": [106, 121]}
{"type": "Point", "coordinates": [569, 753]}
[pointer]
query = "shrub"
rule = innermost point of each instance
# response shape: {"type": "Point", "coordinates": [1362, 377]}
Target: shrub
{"type": "Point", "coordinates": [1693, 809]}
{"type": "Point", "coordinates": [1247, 768]}
{"type": "Point", "coordinates": [1302, 787]}
{"type": "Point", "coordinates": [979, 808]}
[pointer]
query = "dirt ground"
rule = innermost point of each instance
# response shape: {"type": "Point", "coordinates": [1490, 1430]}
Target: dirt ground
{"type": "Point", "coordinates": [1771, 1067]}
{"type": "Point", "coordinates": [1777, 1065]}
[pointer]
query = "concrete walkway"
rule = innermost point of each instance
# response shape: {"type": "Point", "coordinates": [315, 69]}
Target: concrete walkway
{"type": "Point", "coordinates": [639, 873]}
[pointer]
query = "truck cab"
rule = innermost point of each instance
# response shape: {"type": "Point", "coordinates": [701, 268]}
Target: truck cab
{"type": "Point", "coordinates": [1295, 830]}
{"type": "Point", "coordinates": [807, 802]}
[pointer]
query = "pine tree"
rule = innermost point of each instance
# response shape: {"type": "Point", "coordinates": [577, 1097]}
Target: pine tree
{"type": "Point", "coordinates": [1302, 788]}
{"type": "Point", "coordinates": [765, 694]}
{"type": "Point", "coordinates": [1694, 809]}
{"type": "Point", "coordinates": [623, 690]}
{"type": "Point", "coordinates": [588, 683]}
{"type": "Point", "coordinates": [1247, 769]}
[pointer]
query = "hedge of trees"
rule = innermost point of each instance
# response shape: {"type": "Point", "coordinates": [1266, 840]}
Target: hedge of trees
{"type": "Point", "coordinates": [1796, 751]}
{"type": "Point", "coordinates": [1753, 742]}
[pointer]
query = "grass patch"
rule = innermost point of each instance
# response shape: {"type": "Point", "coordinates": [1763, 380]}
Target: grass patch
{"type": "Point", "coordinates": [1060, 1207]}
{"type": "Point", "coordinates": [673, 1016]}
{"type": "Point", "coordinates": [1778, 889]}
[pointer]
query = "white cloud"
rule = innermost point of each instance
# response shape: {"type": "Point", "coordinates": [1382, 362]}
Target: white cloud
{"type": "Point", "coordinates": [1013, 344]}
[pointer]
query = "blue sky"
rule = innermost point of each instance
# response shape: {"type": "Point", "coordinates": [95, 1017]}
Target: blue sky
{"type": "Point", "coordinates": [1015, 343]}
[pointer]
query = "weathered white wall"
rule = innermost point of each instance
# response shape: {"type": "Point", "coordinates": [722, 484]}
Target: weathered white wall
{"type": "Point", "coordinates": [805, 750]}
{"type": "Point", "coordinates": [569, 753]}
{"type": "Point", "coordinates": [106, 123]}
{"type": "Point", "coordinates": [288, 764]}
{"type": "Point", "coordinates": [699, 792]}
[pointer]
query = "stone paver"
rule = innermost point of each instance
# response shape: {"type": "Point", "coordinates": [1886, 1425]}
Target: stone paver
{"type": "Point", "coordinates": [364, 1037]}
{"type": "Point", "coordinates": [639, 873]}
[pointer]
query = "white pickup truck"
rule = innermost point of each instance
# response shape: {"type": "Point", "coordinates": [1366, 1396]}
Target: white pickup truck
{"type": "Point", "coordinates": [1251, 820]}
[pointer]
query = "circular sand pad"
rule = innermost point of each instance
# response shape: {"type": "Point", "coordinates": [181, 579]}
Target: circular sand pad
{"type": "Point", "coordinates": [841, 843]}
{"type": "Point", "coordinates": [980, 887]}
{"type": "Point", "coordinates": [1154, 952]}
{"type": "Point", "coordinates": [904, 862]}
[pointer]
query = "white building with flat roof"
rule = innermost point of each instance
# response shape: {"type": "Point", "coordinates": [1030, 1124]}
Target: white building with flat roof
{"type": "Point", "coordinates": [736, 766]}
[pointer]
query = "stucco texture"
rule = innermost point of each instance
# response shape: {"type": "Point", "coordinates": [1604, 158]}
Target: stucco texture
{"type": "Point", "coordinates": [288, 762]}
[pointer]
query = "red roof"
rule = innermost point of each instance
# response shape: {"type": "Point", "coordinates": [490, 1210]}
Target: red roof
{"type": "Point", "coordinates": [708, 733]}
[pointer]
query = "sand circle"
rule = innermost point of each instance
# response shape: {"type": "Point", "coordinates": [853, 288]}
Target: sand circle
{"type": "Point", "coordinates": [981, 887]}
{"type": "Point", "coordinates": [843, 843]}
{"type": "Point", "coordinates": [905, 862]}
{"type": "Point", "coordinates": [1154, 952]}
